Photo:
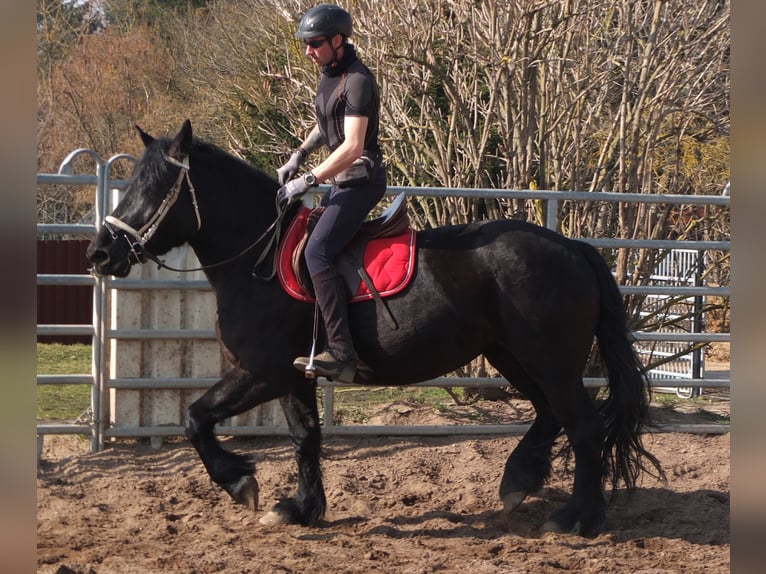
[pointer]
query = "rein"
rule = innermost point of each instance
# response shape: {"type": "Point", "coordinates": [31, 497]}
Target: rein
{"type": "Point", "coordinates": [141, 236]}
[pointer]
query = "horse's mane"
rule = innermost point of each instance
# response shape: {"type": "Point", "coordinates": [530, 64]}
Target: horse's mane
{"type": "Point", "coordinates": [235, 167]}
{"type": "Point", "coordinates": [156, 169]}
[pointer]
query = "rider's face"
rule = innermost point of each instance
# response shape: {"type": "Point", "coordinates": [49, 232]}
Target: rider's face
{"type": "Point", "coordinates": [320, 50]}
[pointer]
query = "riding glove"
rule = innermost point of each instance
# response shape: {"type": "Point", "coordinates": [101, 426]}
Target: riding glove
{"type": "Point", "coordinates": [295, 189]}
{"type": "Point", "coordinates": [290, 169]}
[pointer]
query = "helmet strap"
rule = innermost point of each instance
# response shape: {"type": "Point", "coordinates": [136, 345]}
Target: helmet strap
{"type": "Point", "coordinates": [335, 58]}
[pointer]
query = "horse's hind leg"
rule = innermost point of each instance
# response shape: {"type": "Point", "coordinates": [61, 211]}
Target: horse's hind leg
{"type": "Point", "coordinates": [559, 402]}
{"type": "Point", "coordinates": [585, 513]}
{"type": "Point", "coordinates": [309, 503]}
{"type": "Point", "coordinates": [235, 393]}
{"type": "Point", "coordinates": [529, 465]}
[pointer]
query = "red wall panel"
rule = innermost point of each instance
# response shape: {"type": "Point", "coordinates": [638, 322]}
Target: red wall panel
{"type": "Point", "coordinates": [63, 304]}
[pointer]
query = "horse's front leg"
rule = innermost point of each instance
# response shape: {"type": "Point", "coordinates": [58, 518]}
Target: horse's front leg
{"type": "Point", "coordinates": [235, 393]}
{"type": "Point", "coordinates": [309, 504]}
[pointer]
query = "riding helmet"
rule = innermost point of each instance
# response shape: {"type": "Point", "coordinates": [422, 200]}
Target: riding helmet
{"type": "Point", "coordinates": [325, 20]}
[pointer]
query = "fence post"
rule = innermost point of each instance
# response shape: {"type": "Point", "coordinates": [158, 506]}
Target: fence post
{"type": "Point", "coordinates": [552, 215]}
{"type": "Point", "coordinates": [97, 355]}
{"type": "Point", "coordinates": [99, 309]}
{"type": "Point", "coordinates": [697, 323]}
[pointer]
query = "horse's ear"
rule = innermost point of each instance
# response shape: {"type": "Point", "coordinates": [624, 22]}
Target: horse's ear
{"type": "Point", "coordinates": [179, 147]}
{"type": "Point", "coordinates": [145, 137]}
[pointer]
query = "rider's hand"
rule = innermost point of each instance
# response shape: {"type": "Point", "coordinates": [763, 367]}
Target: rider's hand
{"type": "Point", "coordinates": [293, 191]}
{"type": "Point", "coordinates": [290, 169]}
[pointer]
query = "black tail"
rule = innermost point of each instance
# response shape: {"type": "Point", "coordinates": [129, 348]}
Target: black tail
{"type": "Point", "coordinates": [626, 409]}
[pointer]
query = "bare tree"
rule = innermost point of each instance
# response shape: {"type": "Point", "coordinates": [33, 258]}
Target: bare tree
{"type": "Point", "coordinates": [588, 95]}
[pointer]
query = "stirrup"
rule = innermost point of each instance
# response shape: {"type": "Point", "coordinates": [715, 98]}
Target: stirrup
{"type": "Point", "coordinates": [309, 370]}
{"type": "Point", "coordinates": [306, 364]}
{"type": "Point", "coordinates": [326, 366]}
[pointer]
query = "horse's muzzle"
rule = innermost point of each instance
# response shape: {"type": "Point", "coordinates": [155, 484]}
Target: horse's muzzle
{"type": "Point", "coordinates": [104, 264]}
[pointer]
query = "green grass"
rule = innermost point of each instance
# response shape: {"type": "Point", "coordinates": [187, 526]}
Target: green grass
{"type": "Point", "coordinates": [62, 402]}
{"type": "Point", "coordinates": [68, 402]}
{"type": "Point", "coordinates": [353, 405]}
{"type": "Point", "coordinates": [702, 407]}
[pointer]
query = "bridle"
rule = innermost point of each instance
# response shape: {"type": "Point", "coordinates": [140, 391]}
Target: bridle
{"type": "Point", "coordinates": [137, 238]}
{"type": "Point", "coordinates": [141, 236]}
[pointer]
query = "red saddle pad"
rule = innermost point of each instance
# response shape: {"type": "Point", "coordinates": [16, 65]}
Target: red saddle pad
{"type": "Point", "coordinates": [389, 261]}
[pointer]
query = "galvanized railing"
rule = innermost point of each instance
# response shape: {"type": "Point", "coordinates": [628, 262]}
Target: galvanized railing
{"type": "Point", "coordinates": [97, 427]}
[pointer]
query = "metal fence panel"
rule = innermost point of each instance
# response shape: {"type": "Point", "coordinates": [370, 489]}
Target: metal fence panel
{"type": "Point", "coordinates": [148, 366]}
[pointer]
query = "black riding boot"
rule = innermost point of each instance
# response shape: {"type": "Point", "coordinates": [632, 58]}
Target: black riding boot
{"type": "Point", "coordinates": [339, 361]}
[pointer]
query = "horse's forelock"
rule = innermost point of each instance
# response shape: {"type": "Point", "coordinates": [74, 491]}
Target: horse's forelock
{"type": "Point", "coordinates": [151, 172]}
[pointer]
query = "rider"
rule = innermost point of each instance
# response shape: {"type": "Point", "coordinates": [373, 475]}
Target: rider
{"type": "Point", "coordinates": [347, 114]}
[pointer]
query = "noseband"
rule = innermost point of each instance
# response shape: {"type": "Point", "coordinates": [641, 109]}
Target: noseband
{"type": "Point", "coordinates": [142, 236]}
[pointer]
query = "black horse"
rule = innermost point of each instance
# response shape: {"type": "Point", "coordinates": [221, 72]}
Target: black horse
{"type": "Point", "coordinates": [528, 299]}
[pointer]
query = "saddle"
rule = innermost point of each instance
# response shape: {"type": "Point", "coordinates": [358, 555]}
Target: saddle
{"type": "Point", "coordinates": [378, 262]}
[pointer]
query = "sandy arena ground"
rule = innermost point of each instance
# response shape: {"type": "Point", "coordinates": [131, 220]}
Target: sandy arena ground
{"type": "Point", "coordinates": [395, 505]}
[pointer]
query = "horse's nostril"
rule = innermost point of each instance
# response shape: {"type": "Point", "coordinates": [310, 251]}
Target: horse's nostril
{"type": "Point", "coordinates": [97, 255]}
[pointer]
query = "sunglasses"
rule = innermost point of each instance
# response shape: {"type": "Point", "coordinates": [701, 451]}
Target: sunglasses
{"type": "Point", "coordinates": [315, 43]}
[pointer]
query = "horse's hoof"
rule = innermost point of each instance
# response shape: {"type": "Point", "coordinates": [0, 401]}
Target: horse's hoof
{"type": "Point", "coordinates": [512, 500]}
{"type": "Point", "coordinates": [245, 492]}
{"type": "Point", "coordinates": [568, 521]}
{"type": "Point", "coordinates": [555, 528]}
{"type": "Point", "coordinates": [551, 526]}
{"type": "Point", "coordinates": [272, 518]}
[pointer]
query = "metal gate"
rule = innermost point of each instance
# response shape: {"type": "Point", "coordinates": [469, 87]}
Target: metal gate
{"type": "Point", "coordinates": [678, 267]}
{"type": "Point", "coordinates": [135, 394]}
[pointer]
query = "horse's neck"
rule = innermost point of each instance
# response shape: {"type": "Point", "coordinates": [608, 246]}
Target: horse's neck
{"type": "Point", "coordinates": [237, 207]}
{"type": "Point", "coordinates": [242, 239]}
{"type": "Point", "coordinates": [232, 251]}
